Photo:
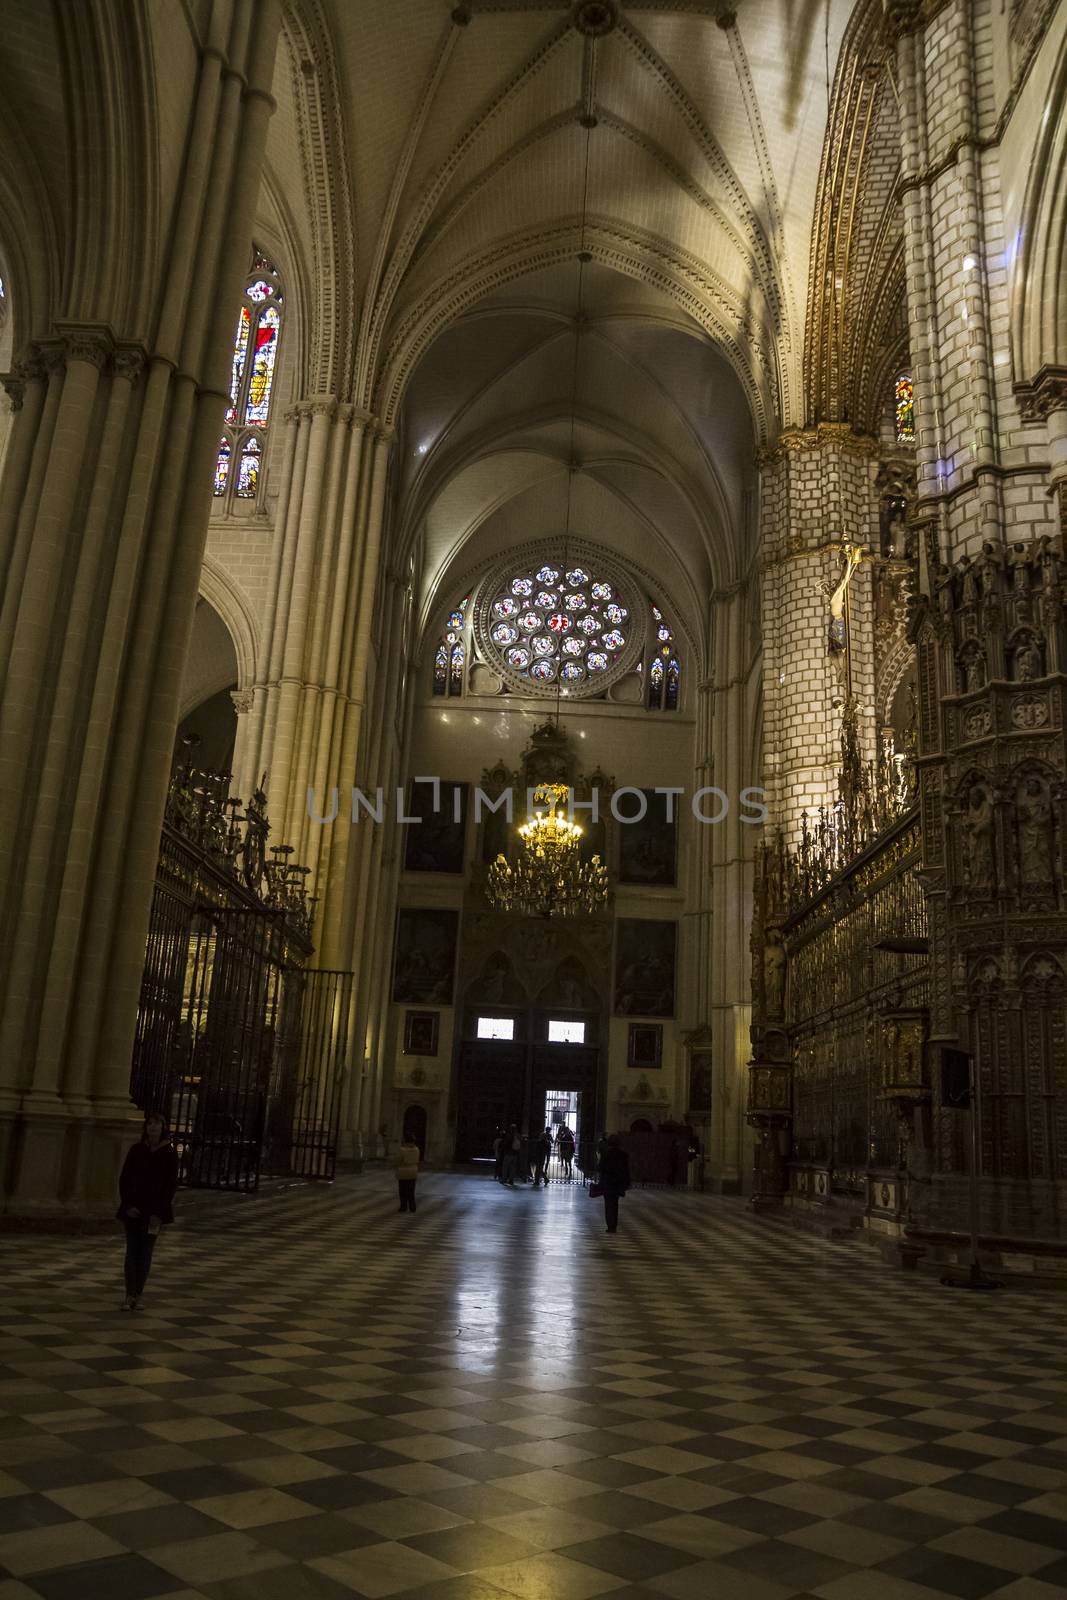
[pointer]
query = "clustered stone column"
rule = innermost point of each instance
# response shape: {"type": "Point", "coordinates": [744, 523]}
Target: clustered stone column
{"type": "Point", "coordinates": [720, 874]}
{"type": "Point", "coordinates": [307, 728]}
{"type": "Point", "coordinates": [103, 515]}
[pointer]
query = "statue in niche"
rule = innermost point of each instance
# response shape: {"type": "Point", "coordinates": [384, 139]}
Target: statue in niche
{"type": "Point", "coordinates": [973, 665]}
{"type": "Point", "coordinates": [1033, 806]}
{"type": "Point", "coordinates": [989, 565]}
{"type": "Point", "coordinates": [774, 975]}
{"type": "Point", "coordinates": [896, 538]}
{"type": "Point", "coordinates": [979, 867]}
{"type": "Point", "coordinates": [1026, 660]}
{"type": "Point", "coordinates": [1019, 565]}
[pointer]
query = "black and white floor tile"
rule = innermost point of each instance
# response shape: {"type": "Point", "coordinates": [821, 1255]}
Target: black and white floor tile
{"type": "Point", "coordinates": [493, 1400]}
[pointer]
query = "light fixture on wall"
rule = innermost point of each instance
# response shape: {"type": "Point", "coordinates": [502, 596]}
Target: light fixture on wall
{"type": "Point", "coordinates": [548, 877]}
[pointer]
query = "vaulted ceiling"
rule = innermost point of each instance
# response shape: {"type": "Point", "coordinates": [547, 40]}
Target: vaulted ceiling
{"type": "Point", "coordinates": [677, 147]}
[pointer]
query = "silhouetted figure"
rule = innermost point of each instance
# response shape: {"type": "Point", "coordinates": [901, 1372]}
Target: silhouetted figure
{"type": "Point", "coordinates": [614, 1180]}
{"type": "Point", "coordinates": [542, 1154]}
{"type": "Point", "coordinates": [146, 1200]}
{"type": "Point", "coordinates": [406, 1162]}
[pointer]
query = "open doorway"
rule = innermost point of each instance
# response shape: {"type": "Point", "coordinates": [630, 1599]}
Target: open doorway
{"type": "Point", "coordinates": [563, 1115]}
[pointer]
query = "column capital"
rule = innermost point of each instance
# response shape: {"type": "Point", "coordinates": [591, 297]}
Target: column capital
{"type": "Point", "coordinates": [128, 362]}
{"type": "Point", "coordinates": [27, 369]}
{"type": "Point", "coordinates": [902, 17]}
{"type": "Point", "coordinates": [14, 388]}
{"type": "Point", "coordinates": [91, 342]}
{"type": "Point", "coordinates": [317, 405]}
{"type": "Point", "coordinates": [823, 437]}
{"type": "Point", "coordinates": [242, 700]}
{"type": "Point", "coordinates": [1043, 394]}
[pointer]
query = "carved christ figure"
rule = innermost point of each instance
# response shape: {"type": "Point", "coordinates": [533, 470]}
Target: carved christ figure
{"type": "Point", "coordinates": [853, 554]}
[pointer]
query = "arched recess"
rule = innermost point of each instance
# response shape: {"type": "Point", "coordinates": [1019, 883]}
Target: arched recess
{"type": "Point", "coordinates": [478, 548]}
{"type": "Point", "coordinates": [207, 727]}
{"type": "Point", "coordinates": [221, 592]}
{"type": "Point", "coordinates": [1039, 281]}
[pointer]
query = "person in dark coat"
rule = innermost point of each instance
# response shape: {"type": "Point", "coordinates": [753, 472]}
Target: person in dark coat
{"type": "Point", "coordinates": [542, 1156]}
{"type": "Point", "coordinates": [614, 1180]}
{"type": "Point", "coordinates": [146, 1201]}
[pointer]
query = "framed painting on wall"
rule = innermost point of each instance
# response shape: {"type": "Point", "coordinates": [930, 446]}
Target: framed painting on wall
{"type": "Point", "coordinates": [425, 956]}
{"type": "Point", "coordinates": [435, 843]}
{"type": "Point", "coordinates": [648, 845]}
{"type": "Point", "coordinates": [420, 1033]}
{"type": "Point", "coordinates": [644, 967]}
{"type": "Point", "coordinates": [646, 1045]}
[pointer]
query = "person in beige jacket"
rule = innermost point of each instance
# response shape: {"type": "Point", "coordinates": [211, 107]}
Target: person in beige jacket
{"type": "Point", "coordinates": [406, 1162]}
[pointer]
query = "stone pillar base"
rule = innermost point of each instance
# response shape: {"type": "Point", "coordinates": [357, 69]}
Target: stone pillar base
{"type": "Point", "coordinates": [59, 1161]}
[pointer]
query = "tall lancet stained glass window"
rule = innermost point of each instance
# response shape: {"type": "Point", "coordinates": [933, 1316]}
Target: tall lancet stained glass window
{"type": "Point", "coordinates": [450, 657]}
{"type": "Point", "coordinates": [664, 670]}
{"type": "Point", "coordinates": [253, 365]}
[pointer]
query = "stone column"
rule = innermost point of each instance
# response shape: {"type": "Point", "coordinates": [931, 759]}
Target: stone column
{"type": "Point", "coordinates": [308, 730]}
{"type": "Point", "coordinates": [817, 492]}
{"type": "Point", "coordinates": [104, 507]}
{"type": "Point", "coordinates": [243, 700]}
{"type": "Point", "coordinates": [374, 861]}
{"type": "Point", "coordinates": [307, 713]}
{"type": "Point", "coordinates": [728, 849]}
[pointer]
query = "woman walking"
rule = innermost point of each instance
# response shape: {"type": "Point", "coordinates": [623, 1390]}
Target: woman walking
{"type": "Point", "coordinates": [614, 1180]}
{"type": "Point", "coordinates": [406, 1162]}
{"type": "Point", "coordinates": [146, 1201]}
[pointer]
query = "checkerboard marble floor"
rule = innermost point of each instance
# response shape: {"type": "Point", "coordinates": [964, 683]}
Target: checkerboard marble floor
{"type": "Point", "coordinates": [492, 1399]}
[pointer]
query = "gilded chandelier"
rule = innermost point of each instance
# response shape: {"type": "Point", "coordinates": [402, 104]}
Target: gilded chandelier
{"type": "Point", "coordinates": [548, 877]}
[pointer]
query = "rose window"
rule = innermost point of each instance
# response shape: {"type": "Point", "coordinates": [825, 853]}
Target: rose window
{"type": "Point", "coordinates": [559, 625]}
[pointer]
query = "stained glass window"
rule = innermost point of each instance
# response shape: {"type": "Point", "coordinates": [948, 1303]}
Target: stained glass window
{"type": "Point", "coordinates": [664, 668]}
{"type": "Point", "coordinates": [253, 367]}
{"type": "Point", "coordinates": [558, 624]}
{"type": "Point", "coordinates": [222, 467]}
{"type": "Point", "coordinates": [450, 657]}
{"type": "Point", "coordinates": [248, 470]}
{"type": "Point", "coordinates": [904, 401]}
{"type": "Point", "coordinates": [240, 351]}
{"type": "Point", "coordinates": [262, 378]}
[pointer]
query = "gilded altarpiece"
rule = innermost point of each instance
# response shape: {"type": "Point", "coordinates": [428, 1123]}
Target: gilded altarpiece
{"type": "Point", "coordinates": [840, 998]}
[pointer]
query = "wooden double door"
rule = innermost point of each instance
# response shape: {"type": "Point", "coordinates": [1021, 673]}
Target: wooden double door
{"type": "Point", "coordinates": [504, 1081]}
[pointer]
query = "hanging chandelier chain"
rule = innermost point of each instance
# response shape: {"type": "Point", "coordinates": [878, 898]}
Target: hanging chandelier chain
{"type": "Point", "coordinates": [575, 367]}
{"type": "Point", "coordinates": [548, 876]}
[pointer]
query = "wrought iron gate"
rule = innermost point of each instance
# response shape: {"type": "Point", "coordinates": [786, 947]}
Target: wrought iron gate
{"type": "Point", "coordinates": [238, 1043]}
{"type": "Point", "coordinates": [307, 1115]}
